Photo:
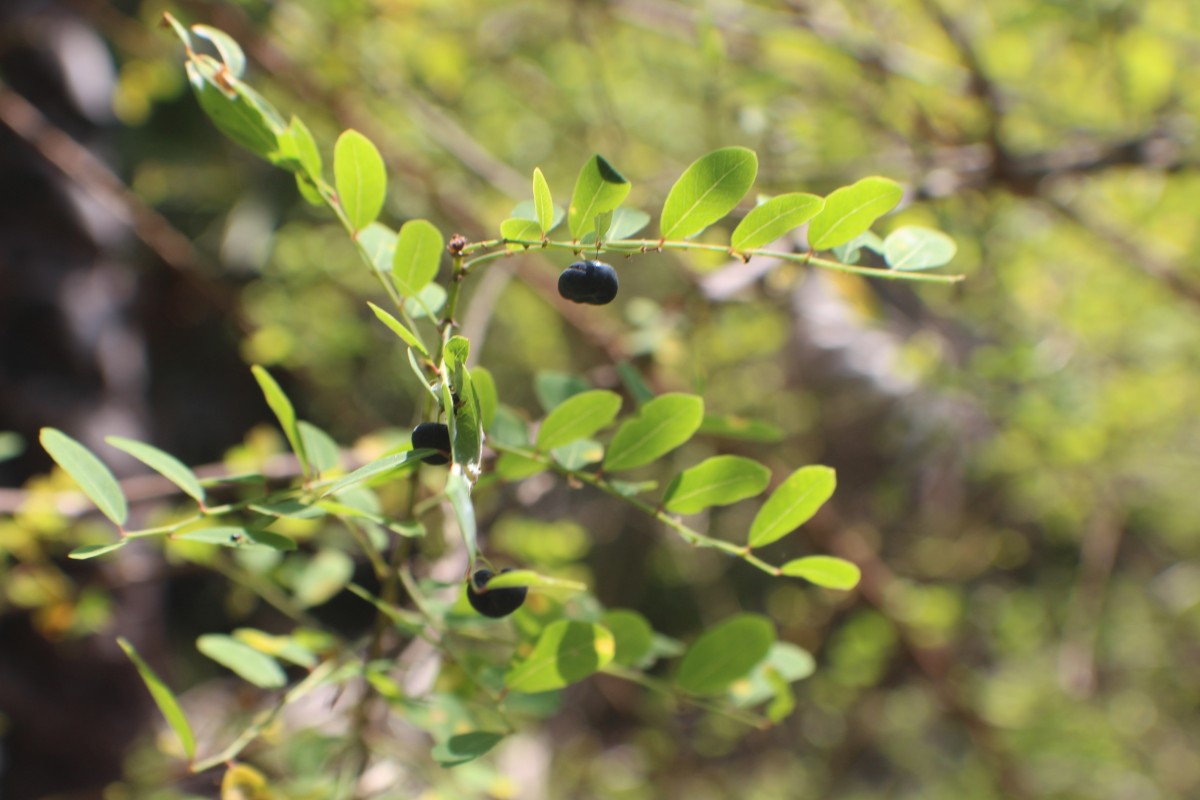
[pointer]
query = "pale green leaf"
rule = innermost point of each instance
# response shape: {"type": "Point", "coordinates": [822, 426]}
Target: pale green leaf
{"type": "Point", "coordinates": [632, 635]}
{"type": "Point", "coordinates": [850, 211]}
{"type": "Point", "coordinates": [360, 177]}
{"type": "Point", "coordinates": [418, 253]}
{"type": "Point", "coordinates": [164, 698]}
{"type": "Point", "coordinates": [708, 189]}
{"type": "Point", "coordinates": [542, 202]}
{"type": "Point", "coordinates": [774, 218]}
{"type": "Point", "coordinates": [827, 571]}
{"type": "Point", "coordinates": [249, 664]}
{"type": "Point", "coordinates": [397, 327]}
{"type": "Point", "coordinates": [792, 504]}
{"type": "Point", "coordinates": [91, 475]}
{"type": "Point", "coordinates": [459, 492]}
{"type": "Point", "coordinates": [914, 248]}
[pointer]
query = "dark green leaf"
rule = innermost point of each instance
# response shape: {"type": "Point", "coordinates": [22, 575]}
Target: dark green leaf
{"type": "Point", "coordinates": [567, 651]}
{"type": "Point", "coordinates": [792, 504]}
{"type": "Point", "coordinates": [89, 473]}
{"type": "Point", "coordinates": [579, 417]}
{"type": "Point", "coordinates": [599, 188]}
{"type": "Point", "coordinates": [464, 747]}
{"type": "Point", "coordinates": [249, 664]}
{"type": "Point", "coordinates": [774, 218]}
{"type": "Point", "coordinates": [914, 248]}
{"type": "Point", "coordinates": [717, 481]}
{"type": "Point", "coordinates": [418, 253]}
{"type": "Point", "coordinates": [164, 698]}
{"type": "Point", "coordinates": [660, 426]}
{"type": "Point", "coordinates": [724, 654]}
{"type": "Point", "coordinates": [467, 444]}
{"type": "Point", "coordinates": [361, 178]}
{"type": "Point", "coordinates": [827, 571]}
{"type": "Point", "coordinates": [850, 211]}
{"type": "Point", "coordinates": [708, 189]}
{"type": "Point", "coordinates": [163, 463]}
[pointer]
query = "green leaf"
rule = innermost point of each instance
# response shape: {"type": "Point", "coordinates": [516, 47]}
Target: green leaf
{"type": "Point", "coordinates": [735, 427]}
{"type": "Point", "coordinates": [515, 467]}
{"type": "Point", "coordinates": [542, 202]}
{"type": "Point", "coordinates": [307, 151]}
{"type": "Point", "coordinates": [464, 747]}
{"type": "Point", "coordinates": [774, 218]}
{"type": "Point", "coordinates": [284, 647]}
{"type": "Point", "coordinates": [527, 209]}
{"type": "Point", "coordinates": [850, 211]}
{"type": "Point", "coordinates": [86, 551]}
{"type": "Point", "coordinates": [231, 53]}
{"type": "Point", "coordinates": [397, 327]}
{"type": "Point", "coordinates": [849, 252]}
{"type": "Point", "coordinates": [626, 222]}
{"type": "Point", "coordinates": [320, 448]}
{"type": "Point", "coordinates": [724, 654]}
{"type": "Point", "coordinates": [707, 190]}
{"type": "Point", "coordinates": [89, 473]}
{"type": "Point", "coordinates": [792, 504]}
{"type": "Point", "coordinates": [281, 406]}
{"type": "Point", "coordinates": [660, 426]}
{"type": "Point", "coordinates": [527, 577]}
{"type": "Point", "coordinates": [163, 463]}
{"type": "Point", "coordinates": [361, 178]}
{"type": "Point", "coordinates": [579, 454]}
{"type": "Point", "coordinates": [176, 26]}
{"type": "Point", "coordinates": [598, 188]}
{"type": "Point", "coordinates": [827, 571]}
{"type": "Point", "coordinates": [717, 481]}
{"type": "Point", "coordinates": [11, 445]}
{"type": "Point", "coordinates": [459, 492]}
{"type": "Point", "coordinates": [427, 303]}
{"type": "Point", "coordinates": [467, 445]}
{"type": "Point", "coordinates": [418, 253]}
{"type": "Point", "coordinates": [164, 698]}
{"type": "Point", "coordinates": [521, 230]}
{"type": "Point", "coordinates": [485, 390]}
{"type": "Point", "coordinates": [456, 351]}
{"type": "Point", "coordinates": [323, 577]}
{"type": "Point", "coordinates": [632, 634]}
{"type": "Point", "coordinates": [786, 661]}
{"type": "Point", "coordinates": [377, 242]}
{"type": "Point", "coordinates": [249, 664]}
{"type": "Point", "coordinates": [579, 417]}
{"type": "Point", "coordinates": [914, 248]}
{"type": "Point", "coordinates": [634, 383]}
{"type": "Point", "coordinates": [387, 465]}
{"type": "Point", "coordinates": [566, 652]}
{"type": "Point", "coordinates": [238, 537]}
{"type": "Point", "coordinates": [236, 109]}
{"type": "Point", "coordinates": [553, 388]}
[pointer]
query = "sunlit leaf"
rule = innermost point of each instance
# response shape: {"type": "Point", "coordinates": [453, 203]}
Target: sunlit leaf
{"type": "Point", "coordinates": [734, 427]}
{"type": "Point", "coordinates": [578, 454]}
{"type": "Point", "coordinates": [850, 211]}
{"type": "Point", "coordinates": [459, 492]}
{"type": "Point", "coordinates": [579, 417]}
{"type": "Point", "coordinates": [660, 426]}
{"type": "Point", "coordinates": [397, 327]}
{"type": "Point", "coordinates": [378, 243]}
{"type": "Point", "coordinates": [566, 652]}
{"type": "Point", "coordinates": [249, 664]}
{"type": "Point", "coordinates": [86, 551]}
{"type": "Point", "coordinates": [827, 571]}
{"type": "Point", "coordinates": [792, 504]}
{"type": "Point", "coordinates": [428, 302]}
{"type": "Point", "coordinates": [724, 654]}
{"type": "Point", "coordinates": [236, 109]}
{"type": "Point", "coordinates": [914, 248]}
{"type": "Point", "coordinates": [485, 390]}
{"type": "Point", "coordinates": [385, 466]}
{"type": "Point", "coordinates": [786, 661]}
{"type": "Point", "coordinates": [708, 189]}
{"type": "Point", "coordinates": [599, 188]}
{"type": "Point", "coordinates": [319, 447]}
{"type": "Point", "coordinates": [632, 635]}
{"type": "Point", "coordinates": [91, 475]}
{"type": "Point", "coordinates": [163, 463]}
{"type": "Point", "coordinates": [323, 577]}
{"type": "Point", "coordinates": [774, 218]}
{"type": "Point", "coordinates": [281, 406]}
{"type": "Point", "coordinates": [360, 177]}
{"type": "Point", "coordinates": [542, 201]}
{"type": "Point", "coordinates": [231, 53]}
{"type": "Point", "coordinates": [164, 698]}
{"type": "Point", "coordinates": [717, 481]}
{"type": "Point", "coordinates": [527, 577]}
{"type": "Point", "coordinates": [527, 209]}
{"type": "Point", "coordinates": [418, 253]}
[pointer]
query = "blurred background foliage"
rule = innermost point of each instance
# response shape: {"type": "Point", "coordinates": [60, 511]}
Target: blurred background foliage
{"type": "Point", "coordinates": [1017, 455]}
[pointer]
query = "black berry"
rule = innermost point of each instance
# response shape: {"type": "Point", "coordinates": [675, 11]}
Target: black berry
{"type": "Point", "coordinates": [591, 282]}
{"type": "Point", "coordinates": [494, 603]}
{"type": "Point", "coordinates": [435, 436]}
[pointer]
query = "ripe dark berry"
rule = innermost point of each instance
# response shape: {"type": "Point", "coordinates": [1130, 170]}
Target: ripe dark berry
{"type": "Point", "coordinates": [433, 435]}
{"type": "Point", "coordinates": [588, 282]}
{"type": "Point", "coordinates": [494, 603]}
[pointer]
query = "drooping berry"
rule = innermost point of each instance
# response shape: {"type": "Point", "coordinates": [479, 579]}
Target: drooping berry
{"type": "Point", "coordinates": [591, 282]}
{"type": "Point", "coordinates": [494, 603]}
{"type": "Point", "coordinates": [434, 436]}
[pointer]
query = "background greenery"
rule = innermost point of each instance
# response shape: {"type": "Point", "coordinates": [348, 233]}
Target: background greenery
{"type": "Point", "coordinates": [1017, 455]}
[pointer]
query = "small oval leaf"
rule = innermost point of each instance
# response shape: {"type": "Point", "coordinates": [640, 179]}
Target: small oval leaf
{"type": "Point", "coordinates": [914, 248]}
{"type": "Point", "coordinates": [230, 51]}
{"type": "Point", "coordinates": [163, 463]}
{"type": "Point", "coordinates": [660, 426]}
{"type": "Point", "coordinates": [249, 664]}
{"type": "Point", "coordinates": [579, 417]}
{"type": "Point", "coordinates": [717, 481]}
{"type": "Point", "coordinates": [360, 177]}
{"type": "Point", "coordinates": [164, 698]}
{"type": "Point", "coordinates": [827, 571]}
{"type": "Point", "coordinates": [459, 492]}
{"type": "Point", "coordinates": [850, 211]}
{"type": "Point", "coordinates": [599, 188]}
{"type": "Point", "coordinates": [792, 504]}
{"type": "Point", "coordinates": [724, 654]}
{"type": "Point", "coordinates": [774, 218]}
{"type": "Point", "coordinates": [632, 634]}
{"type": "Point", "coordinates": [418, 253]}
{"type": "Point", "coordinates": [566, 652]}
{"type": "Point", "coordinates": [707, 190]}
{"type": "Point", "coordinates": [91, 475]}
